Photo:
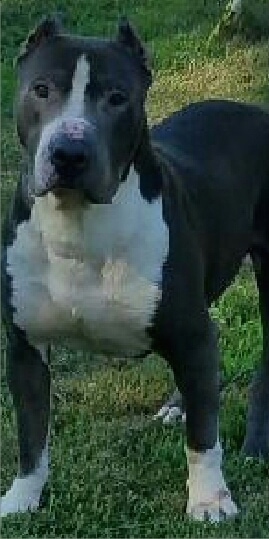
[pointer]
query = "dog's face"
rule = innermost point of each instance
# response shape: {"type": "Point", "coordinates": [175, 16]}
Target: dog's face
{"type": "Point", "coordinates": [81, 109]}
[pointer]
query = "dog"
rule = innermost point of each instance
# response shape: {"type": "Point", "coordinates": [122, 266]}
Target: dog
{"type": "Point", "coordinates": [122, 237]}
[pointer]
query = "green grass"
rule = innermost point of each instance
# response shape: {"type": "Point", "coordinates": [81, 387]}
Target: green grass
{"type": "Point", "coordinates": [115, 473]}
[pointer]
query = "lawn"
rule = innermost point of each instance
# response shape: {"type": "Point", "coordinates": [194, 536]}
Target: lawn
{"type": "Point", "coordinates": [115, 472]}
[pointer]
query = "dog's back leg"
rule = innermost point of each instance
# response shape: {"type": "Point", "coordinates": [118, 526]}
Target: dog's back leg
{"type": "Point", "coordinates": [29, 383]}
{"type": "Point", "coordinates": [173, 409]}
{"type": "Point", "coordinates": [256, 442]}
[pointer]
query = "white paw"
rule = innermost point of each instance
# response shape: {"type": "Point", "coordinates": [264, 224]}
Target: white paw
{"type": "Point", "coordinates": [172, 410]}
{"type": "Point", "coordinates": [25, 492]}
{"type": "Point", "coordinates": [221, 506]}
{"type": "Point", "coordinates": [22, 496]}
{"type": "Point", "coordinates": [209, 497]}
{"type": "Point", "coordinates": [170, 414]}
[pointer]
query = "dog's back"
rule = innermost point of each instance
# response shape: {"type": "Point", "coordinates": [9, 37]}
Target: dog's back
{"type": "Point", "coordinates": [220, 150]}
{"type": "Point", "coordinates": [203, 134]}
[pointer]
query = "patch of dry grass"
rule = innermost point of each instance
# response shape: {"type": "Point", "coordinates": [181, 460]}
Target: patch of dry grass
{"type": "Point", "coordinates": [241, 75]}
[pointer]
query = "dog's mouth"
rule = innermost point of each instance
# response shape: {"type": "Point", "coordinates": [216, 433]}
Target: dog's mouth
{"type": "Point", "coordinates": [55, 185]}
{"type": "Point", "coordinates": [66, 196]}
{"type": "Point", "coordinates": [96, 186]}
{"type": "Point", "coordinates": [65, 193]}
{"type": "Point", "coordinates": [63, 169]}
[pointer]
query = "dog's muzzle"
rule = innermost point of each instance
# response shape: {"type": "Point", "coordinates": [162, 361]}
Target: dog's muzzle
{"type": "Point", "coordinates": [65, 155]}
{"type": "Point", "coordinates": [68, 156]}
{"type": "Point", "coordinates": [70, 150]}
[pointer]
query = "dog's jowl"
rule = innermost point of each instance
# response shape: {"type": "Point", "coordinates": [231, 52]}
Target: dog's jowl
{"type": "Point", "coordinates": [121, 237]}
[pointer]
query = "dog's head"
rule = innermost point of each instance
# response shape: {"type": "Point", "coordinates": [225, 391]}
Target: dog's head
{"type": "Point", "coordinates": [80, 108]}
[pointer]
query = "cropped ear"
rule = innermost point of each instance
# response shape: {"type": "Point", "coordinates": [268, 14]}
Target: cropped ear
{"type": "Point", "coordinates": [47, 28]}
{"type": "Point", "coordinates": [129, 38]}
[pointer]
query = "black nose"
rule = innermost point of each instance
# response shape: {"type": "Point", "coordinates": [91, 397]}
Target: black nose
{"type": "Point", "coordinates": [69, 156]}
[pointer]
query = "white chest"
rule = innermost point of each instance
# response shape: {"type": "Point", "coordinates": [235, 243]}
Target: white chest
{"type": "Point", "coordinates": [90, 272]}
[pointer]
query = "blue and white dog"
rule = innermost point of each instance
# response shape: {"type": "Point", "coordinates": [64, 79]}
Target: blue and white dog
{"type": "Point", "coordinates": [122, 237]}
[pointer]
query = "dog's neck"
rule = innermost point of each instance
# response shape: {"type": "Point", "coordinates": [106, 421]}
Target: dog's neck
{"type": "Point", "coordinates": [148, 166]}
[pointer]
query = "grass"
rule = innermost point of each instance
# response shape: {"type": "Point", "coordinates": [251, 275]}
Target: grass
{"type": "Point", "coordinates": [115, 473]}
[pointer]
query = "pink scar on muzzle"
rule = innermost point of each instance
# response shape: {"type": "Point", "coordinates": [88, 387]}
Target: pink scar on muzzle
{"type": "Point", "coordinates": [75, 129]}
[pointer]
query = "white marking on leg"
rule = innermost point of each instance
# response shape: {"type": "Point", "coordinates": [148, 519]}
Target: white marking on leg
{"type": "Point", "coordinates": [173, 414]}
{"type": "Point", "coordinates": [24, 494]}
{"type": "Point", "coordinates": [172, 409]}
{"type": "Point", "coordinates": [208, 493]}
{"type": "Point", "coordinates": [169, 414]}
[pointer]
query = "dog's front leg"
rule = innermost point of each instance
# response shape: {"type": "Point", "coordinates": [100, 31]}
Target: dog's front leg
{"type": "Point", "coordinates": [29, 383]}
{"type": "Point", "coordinates": [208, 495]}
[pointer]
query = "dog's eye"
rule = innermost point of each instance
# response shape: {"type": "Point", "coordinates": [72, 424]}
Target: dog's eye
{"type": "Point", "coordinates": [117, 98]}
{"type": "Point", "coordinates": [41, 90]}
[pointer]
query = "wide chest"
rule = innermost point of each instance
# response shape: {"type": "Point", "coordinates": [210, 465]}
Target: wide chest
{"type": "Point", "coordinates": [104, 291]}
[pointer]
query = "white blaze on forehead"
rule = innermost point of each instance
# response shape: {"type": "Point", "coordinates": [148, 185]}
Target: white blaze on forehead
{"type": "Point", "coordinates": [73, 109]}
{"type": "Point", "coordinates": [81, 77]}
